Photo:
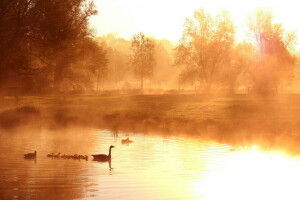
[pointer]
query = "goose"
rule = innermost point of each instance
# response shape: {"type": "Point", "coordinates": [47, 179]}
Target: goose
{"type": "Point", "coordinates": [30, 155]}
{"type": "Point", "coordinates": [126, 141]}
{"type": "Point", "coordinates": [103, 157]}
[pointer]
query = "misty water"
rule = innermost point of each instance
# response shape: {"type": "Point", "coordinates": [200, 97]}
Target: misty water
{"type": "Point", "coordinates": [152, 167]}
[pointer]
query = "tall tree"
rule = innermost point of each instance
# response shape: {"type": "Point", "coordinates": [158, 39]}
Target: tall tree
{"type": "Point", "coordinates": [142, 58]}
{"type": "Point", "coordinates": [62, 24]}
{"type": "Point", "coordinates": [275, 51]}
{"type": "Point", "coordinates": [204, 44]}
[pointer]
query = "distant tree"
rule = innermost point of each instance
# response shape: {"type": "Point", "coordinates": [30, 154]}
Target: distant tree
{"type": "Point", "coordinates": [142, 58]}
{"type": "Point", "coordinates": [204, 46]}
{"type": "Point", "coordinates": [235, 72]}
{"type": "Point", "coordinates": [164, 74]}
{"type": "Point", "coordinates": [118, 52]}
{"type": "Point", "coordinates": [275, 51]}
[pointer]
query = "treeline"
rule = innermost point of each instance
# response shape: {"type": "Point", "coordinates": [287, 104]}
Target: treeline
{"type": "Point", "coordinates": [211, 57]}
{"type": "Point", "coordinates": [49, 47]}
{"type": "Point", "coordinates": [208, 57]}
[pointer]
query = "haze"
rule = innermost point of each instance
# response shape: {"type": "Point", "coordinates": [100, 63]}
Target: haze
{"type": "Point", "coordinates": [165, 19]}
{"type": "Point", "coordinates": [134, 99]}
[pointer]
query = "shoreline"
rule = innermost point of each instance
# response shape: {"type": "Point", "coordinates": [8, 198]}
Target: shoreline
{"type": "Point", "coordinates": [233, 120]}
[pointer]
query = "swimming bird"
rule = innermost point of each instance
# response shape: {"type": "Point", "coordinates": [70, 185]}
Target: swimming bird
{"type": "Point", "coordinates": [30, 155]}
{"type": "Point", "coordinates": [126, 141]}
{"type": "Point", "coordinates": [103, 157]}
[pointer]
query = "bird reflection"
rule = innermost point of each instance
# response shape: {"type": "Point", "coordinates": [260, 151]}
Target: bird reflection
{"type": "Point", "coordinates": [109, 164]}
{"type": "Point", "coordinates": [30, 160]}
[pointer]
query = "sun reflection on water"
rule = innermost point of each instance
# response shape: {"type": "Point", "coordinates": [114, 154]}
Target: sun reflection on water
{"type": "Point", "coordinates": [251, 174]}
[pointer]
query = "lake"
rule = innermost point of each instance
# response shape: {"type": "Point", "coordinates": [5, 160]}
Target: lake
{"type": "Point", "coordinates": [152, 167]}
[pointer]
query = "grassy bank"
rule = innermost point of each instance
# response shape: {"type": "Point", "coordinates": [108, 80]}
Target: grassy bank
{"type": "Point", "coordinates": [269, 120]}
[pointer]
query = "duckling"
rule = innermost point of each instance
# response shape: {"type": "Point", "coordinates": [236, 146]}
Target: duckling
{"type": "Point", "coordinates": [50, 155]}
{"type": "Point", "coordinates": [30, 155]}
{"type": "Point", "coordinates": [56, 155]}
{"type": "Point", "coordinates": [126, 141]}
{"type": "Point", "coordinates": [84, 157]}
{"type": "Point", "coordinates": [68, 156]}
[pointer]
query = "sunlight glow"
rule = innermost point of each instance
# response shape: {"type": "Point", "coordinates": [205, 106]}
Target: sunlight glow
{"type": "Point", "coordinates": [165, 19]}
{"type": "Point", "coordinates": [252, 175]}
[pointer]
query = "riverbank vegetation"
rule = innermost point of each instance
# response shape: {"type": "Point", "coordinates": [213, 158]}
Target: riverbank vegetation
{"type": "Point", "coordinates": [55, 72]}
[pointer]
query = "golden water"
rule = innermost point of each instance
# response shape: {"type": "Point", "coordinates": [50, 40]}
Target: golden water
{"type": "Point", "coordinates": [152, 167]}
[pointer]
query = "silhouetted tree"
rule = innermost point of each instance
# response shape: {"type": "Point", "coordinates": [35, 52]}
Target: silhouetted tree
{"type": "Point", "coordinates": [204, 45]}
{"type": "Point", "coordinates": [62, 25]}
{"type": "Point", "coordinates": [142, 58]}
{"type": "Point", "coordinates": [36, 36]}
{"type": "Point", "coordinates": [88, 66]}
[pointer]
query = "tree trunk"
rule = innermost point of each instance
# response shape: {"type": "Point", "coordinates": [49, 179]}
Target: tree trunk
{"type": "Point", "coordinates": [59, 73]}
{"type": "Point", "coordinates": [142, 82]}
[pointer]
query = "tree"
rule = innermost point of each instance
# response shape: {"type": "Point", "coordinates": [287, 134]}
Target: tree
{"type": "Point", "coordinates": [235, 71]}
{"type": "Point", "coordinates": [62, 25]}
{"type": "Point", "coordinates": [118, 53]}
{"type": "Point", "coordinates": [142, 58]}
{"type": "Point", "coordinates": [204, 45]}
{"type": "Point", "coordinates": [88, 68]}
{"type": "Point", "coordinates": [275, 51]}
{"type": "Point", "coordinates": [37, 36]}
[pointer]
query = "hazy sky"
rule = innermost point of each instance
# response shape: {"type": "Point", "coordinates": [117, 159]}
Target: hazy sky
{"type": "Point", "coordinates": [165, 18]}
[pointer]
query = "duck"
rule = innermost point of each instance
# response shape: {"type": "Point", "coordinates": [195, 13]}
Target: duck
{"type": "Point", "coordinates": [126, 141]}
{"type": "Point", "coordinates": [30, 155]}
{"type": "Point", "coordinates": [103, 157]}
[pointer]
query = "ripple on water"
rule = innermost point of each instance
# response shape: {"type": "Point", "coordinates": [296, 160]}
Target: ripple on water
{"type": "Point", "coordinates": [152, 167]}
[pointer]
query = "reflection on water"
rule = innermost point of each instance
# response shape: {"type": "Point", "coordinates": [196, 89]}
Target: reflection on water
{"type": "Point", "coordinates": [151, 167]}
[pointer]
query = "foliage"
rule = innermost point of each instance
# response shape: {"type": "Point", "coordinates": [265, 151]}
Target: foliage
{"type": "Point", "coordinates": [39, 40]}
{"type": "Point", "coordinates": [204, 45]}
{"type": "Point", "coordinates": [142, 58]}
{"type": "Point", "coordinates": [275, 51]}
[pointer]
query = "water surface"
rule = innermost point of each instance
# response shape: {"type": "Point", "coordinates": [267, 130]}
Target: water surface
{"type": "Point", "coordinates": [152, 167]}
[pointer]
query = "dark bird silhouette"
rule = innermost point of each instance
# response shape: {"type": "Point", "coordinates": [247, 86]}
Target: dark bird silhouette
{"type": "Point", "coordinates": [30, 155]}
{"type": "Point", "coordinates": [126, 141]}
{"type": "Point", "coordinates": [103, 157]}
